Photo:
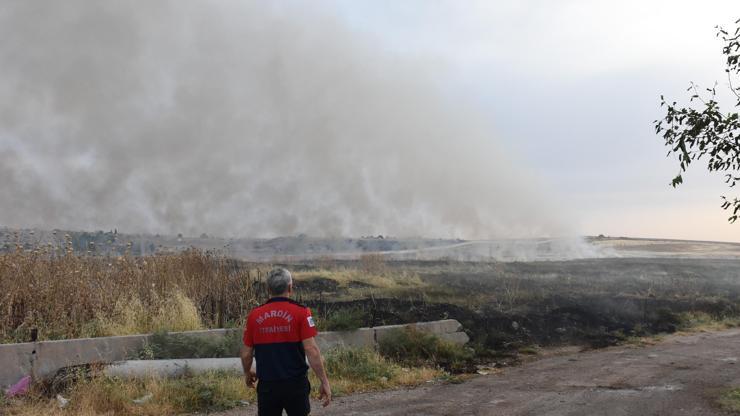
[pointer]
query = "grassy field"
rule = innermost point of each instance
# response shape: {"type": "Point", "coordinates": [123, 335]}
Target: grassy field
{"type": "Point", "coordinates": [91, 393]}
{"type": "Point", "coordinates": [48, 294]}
{"type": "Point", "coordinates": [508, 309]}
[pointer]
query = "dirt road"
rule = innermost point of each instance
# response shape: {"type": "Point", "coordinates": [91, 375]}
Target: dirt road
{"type": "Point", "coordinates": [680, 376]}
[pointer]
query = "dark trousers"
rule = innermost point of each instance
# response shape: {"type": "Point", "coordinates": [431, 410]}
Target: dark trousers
{"type": "Point", "coordinates": [291, 395]}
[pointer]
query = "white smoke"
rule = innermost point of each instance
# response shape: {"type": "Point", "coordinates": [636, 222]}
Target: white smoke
{"type": "Point", "coordinates": [240, 118]}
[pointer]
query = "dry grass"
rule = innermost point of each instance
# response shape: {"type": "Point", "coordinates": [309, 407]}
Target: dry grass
{"type": "Point", "coordinates": [132, 316]}
{"type": "Point", "coordinates": [68, 295]}
{"type": "Point", "coordinates": [104, 396]}
{"type": "Point", "coordinates": [691, 322]}
{"type": "Point", "coordinates": [404, 377]}
{"type": "Point", "coordinates": [349, 277]}
{"type": "Point", "coordinates": [373, 263]}
{"type": "Point", "coordinates": [350, 371]}
{"type": "Point", "coordinates": [61, 294]}
{"type": "Point", "coordinates": [702, 322]}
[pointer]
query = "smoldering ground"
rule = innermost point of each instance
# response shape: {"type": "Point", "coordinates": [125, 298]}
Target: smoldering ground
{"type": "Point", "coordinates": [242, 118]}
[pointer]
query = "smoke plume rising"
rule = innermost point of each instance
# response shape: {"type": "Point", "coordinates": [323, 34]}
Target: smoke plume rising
{"type": "Point", "coordinates": [240, 118]}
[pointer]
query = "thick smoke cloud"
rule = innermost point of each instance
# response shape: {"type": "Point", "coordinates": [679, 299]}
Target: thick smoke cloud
{"type": "Point", "coordinates": [239, 120]}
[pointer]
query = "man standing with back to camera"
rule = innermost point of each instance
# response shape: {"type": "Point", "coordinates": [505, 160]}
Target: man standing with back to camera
{"type": "Point", "coordinates": [280, 335]}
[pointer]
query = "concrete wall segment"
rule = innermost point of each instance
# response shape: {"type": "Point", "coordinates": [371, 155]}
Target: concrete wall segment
{"type": "Point", "coordinates": [43, 359]}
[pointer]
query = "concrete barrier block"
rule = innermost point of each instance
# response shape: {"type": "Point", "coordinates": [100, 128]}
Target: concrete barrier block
{"type": "Point", "coordinates": [214, 364]}
{"type": "Point", "coordinates": [459, 338]}
{"type": "Point", "coordinates": [44, 359]}
{"type": "Point", "coordinates": [439, 327]}
{"type": "Point", "coordinates": [15, 362]}
{"type": "Point", "coordinates": [53, 355]}
{"type": "Point", "coordinates": [447, 326]}
{"type": "Point", "coordinates": [360, 338]}
{"type": "Point", "coordinates": [149, 368]}
{"type": "Point", "coordinates": [171, 368]}
{"type": "Point", "coordinates": [209, 333]}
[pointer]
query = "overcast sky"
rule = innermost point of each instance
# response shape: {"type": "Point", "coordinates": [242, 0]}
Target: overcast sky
{"type": "Point", "coordinates": [572, 88]}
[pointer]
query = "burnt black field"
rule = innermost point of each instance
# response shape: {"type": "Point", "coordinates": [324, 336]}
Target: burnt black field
{"type": "Point", "coordinates": [506, 306]}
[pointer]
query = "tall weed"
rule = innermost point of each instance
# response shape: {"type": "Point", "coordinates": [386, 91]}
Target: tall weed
{"type": "Point", "coordinates": [55, 295]}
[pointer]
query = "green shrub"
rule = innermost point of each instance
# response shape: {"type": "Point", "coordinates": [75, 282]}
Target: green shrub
{"type": "Point", "coordinates": [344, 320]}
{"type": "Point", "coordinates": [730, 400]}
{"type": "Point", "coordinates": [358, 364]}
{"type": "Point", "coordinates": [412, 347]}
{"type": "Point", "coordinates": [666, 320]}
{"type": "Point", "coordinates": [197, 394]}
